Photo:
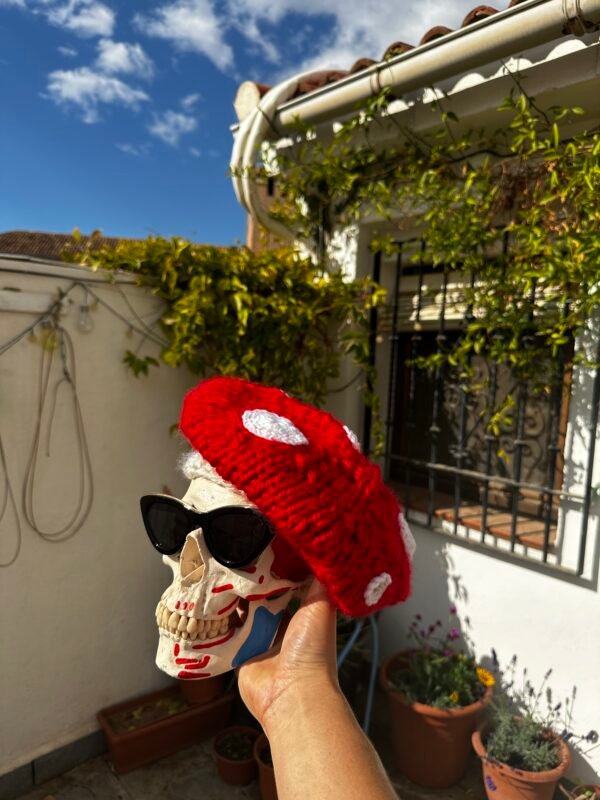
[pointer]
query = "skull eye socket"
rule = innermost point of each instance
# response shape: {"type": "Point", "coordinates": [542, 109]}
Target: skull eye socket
{"type": "Point", "coordinates": [167, 523]}
{"type": "Point", "coordinates": [237, 537]}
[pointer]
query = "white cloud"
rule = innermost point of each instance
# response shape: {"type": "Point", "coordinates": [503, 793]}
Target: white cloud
{"type": "Point", "coordinates": [69, 52]}
{"type": "Point", "coordinates": [170, 126]}
{"type": "Point", "coordinates": [115, 57]}
{"type": "Point", "coordinates": [360, 27]}
{"type": "Point", "coordinates": [192, 26]}
{"type": "Point", "coordinates": [133, 149]}
{"type": "Point", "coordinates": [87, 90]}
{"type": "Point", "coordinates": [85, 18]}
{"type": "Point", "coordinates": [189, 101]}
{"type": "Point", "coordinates": [18, 3]}
{"type": "Point", "coordinates": [195, 152]}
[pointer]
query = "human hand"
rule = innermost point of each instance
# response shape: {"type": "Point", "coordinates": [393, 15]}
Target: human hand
{"type": "Point", "coordinates": [304, 661]}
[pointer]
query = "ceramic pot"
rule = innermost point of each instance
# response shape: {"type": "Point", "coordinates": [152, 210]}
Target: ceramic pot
{"type": "Point", "coordinates": [266, 773]}
{"type": "Point", "coordinates": [203, 690]}
{"type": "Point", "coordinates": [233, 751]}
{"type": "Point", "coordinates": [431, 745]}
{"type": "Point", "coordinates": [509, 783]}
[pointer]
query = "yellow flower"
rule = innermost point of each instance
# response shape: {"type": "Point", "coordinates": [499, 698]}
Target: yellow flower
{"type": "Point", "coordinates": [454, 697]}
{"type": "Point", "coordinates": [485, 677]}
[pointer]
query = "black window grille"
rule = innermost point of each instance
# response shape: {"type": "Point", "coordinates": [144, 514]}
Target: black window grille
{"type": "Point", "coordinates": [449, 470]}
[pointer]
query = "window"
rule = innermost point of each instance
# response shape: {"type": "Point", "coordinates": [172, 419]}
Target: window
{"type": "Point", "coordinates": [449, 471]}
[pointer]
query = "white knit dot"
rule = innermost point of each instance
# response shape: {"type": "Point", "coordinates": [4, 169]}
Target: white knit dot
{"type": "Point", "coordinates": [407, 537]}
{"type": "Point", "coordinates": [268, 425]}
{"type": "Point", "coordinates": [376, 588]}
{"type": "Point", "coordinates": [353, 438]}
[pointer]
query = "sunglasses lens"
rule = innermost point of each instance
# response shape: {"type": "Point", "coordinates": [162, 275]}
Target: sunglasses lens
{"type": "Point", "coordinates": [167, 525]}
{"type": "Point", "coordinates": [238, 538]}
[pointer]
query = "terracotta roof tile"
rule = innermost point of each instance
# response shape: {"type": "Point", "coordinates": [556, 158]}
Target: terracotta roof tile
{"type": "Point", "coordinates": [477, 14]}
{"type": "Point", "coordinates": [321, 78]}
{"type": "Point", "coordinates": [435, 33]}
{"type": "Point", "coordinates": [396, 49]}
{"type": "Point", "coordinates": [360, 64]}
{"type": "Point", "coordinates": [48, 246]}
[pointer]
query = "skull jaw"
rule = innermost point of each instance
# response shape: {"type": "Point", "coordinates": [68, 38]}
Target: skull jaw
{"type": "Point", "coordinates": [195, 660]}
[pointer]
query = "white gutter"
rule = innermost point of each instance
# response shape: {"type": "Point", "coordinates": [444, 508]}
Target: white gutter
{"type": "Point", "coordinates": [509, 32]}
{"type": "Point", "coordinates": [506, 33]}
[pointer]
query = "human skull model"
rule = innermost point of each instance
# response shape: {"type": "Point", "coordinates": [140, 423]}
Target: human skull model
{"type": "Point", "coordinates": [213, 618]}
{"type": "Point", "coordinates": [325, 508]}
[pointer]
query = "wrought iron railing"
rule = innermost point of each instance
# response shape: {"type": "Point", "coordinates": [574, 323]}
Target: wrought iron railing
{"type": "Point", "coordinates": [449, 474]}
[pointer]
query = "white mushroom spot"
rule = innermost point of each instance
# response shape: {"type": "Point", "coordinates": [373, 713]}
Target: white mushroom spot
{"type": "Point", "coordinates": [268, 425]}
{"type": "Point", "coordinates": [407, 537]}
{"type": "Point", "coordinates": [353, 438]}
{"type": "Point", "coordinates": [376, 588]}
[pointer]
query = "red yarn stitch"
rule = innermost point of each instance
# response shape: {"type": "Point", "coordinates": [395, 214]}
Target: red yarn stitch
{"type": "Point", "coordinates": [345, 525]}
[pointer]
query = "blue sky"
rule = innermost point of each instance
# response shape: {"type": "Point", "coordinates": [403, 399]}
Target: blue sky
{"type": "Point", "coordinates": [116, 115]}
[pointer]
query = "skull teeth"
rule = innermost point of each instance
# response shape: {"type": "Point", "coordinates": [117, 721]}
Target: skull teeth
{"type": "Point", "coordinates": [181, 626]}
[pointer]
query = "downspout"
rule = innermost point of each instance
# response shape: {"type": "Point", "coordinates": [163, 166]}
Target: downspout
{"type": "Point", "coordinates": [527, 25]}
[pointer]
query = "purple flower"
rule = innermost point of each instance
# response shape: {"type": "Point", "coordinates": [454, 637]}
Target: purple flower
{"type": "Point", "coordinates": [454, 634]}
{"type": "Point", "coordinates": [447, 653]}
{"type": "Point", "coordinates": [453, 609]}
{"type": "Point", "coordinates": [490, 783]}
{"type": "Point", "coordinates": [419, 617]}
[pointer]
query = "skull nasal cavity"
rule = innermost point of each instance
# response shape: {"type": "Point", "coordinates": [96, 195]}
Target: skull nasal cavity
{"type": "Point", "coordinates": [191, 564]}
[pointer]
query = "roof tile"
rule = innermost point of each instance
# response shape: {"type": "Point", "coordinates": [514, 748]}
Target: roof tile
{"type": "Point", "coordinates": [325, 77]}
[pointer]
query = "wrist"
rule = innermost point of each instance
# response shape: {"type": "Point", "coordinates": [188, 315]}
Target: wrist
{"type": "Point", "coordinates": [298, 702]}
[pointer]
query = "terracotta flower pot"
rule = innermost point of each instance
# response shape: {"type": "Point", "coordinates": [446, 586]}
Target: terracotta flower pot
{"type": "Point", "coordinates": [233, 750]}
{"type": "Point", "coordinates": [146, 728]}
{"type": "Point", "coordinates": [431, 745]}
{"type": "Point", "coordinates": [508, 783]}
{"type": "Point", "coordinates": [203, 690]}
{"type": "Point", "coordinates": [266, 773]}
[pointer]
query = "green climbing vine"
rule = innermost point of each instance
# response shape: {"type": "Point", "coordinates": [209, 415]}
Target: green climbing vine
{"type": "Point", "coordinates": [534, 183]}
{"type": "Point", "coordinates": [276, 316]}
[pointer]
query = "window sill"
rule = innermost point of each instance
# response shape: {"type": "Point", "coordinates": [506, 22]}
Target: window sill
{"type": "Point", "coordinates": [529, 530]}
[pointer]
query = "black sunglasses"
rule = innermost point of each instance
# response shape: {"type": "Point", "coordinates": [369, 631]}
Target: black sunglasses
{"type": "Point", "coordinates": [235, 536]}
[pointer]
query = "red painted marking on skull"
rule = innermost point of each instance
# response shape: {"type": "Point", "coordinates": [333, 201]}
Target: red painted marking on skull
{"type": "Point", "coordinates": [261, 579]}
{"type": "Point", "coordinates": [274, 593]}
{"type": "Point", "coordinates": [191, 606]}
{"type": "Point", "coordinates": [187, 675]}
{"type": "Point", "coordinates": [251, 569]}
{"type": "Point", "coordinates": [228, 606]}
{"type": "Point", "coordinates": [214, 642]}
{"type": "Point", "coordinates": [176, 650]}
{"type": "Point", "coordinates": [287, 564]}
{"type": "Point", "coordinates": [177, 604]}
{"type": "Point", "coordinates": [223, 588]}
{"type": "Point", "coordinates": [197, 664]}
{"type": "Point", "coordinates": [185, 605]}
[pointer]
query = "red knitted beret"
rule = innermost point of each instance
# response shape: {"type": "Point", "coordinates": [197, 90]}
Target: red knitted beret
{"type": "Point", "coordinates": [304, 471]}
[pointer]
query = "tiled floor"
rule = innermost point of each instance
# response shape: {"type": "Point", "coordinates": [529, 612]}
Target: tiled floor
{"type": "Point", "coordinates": [191, 775]}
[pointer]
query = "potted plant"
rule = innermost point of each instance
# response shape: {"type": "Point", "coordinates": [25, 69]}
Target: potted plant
{"type": "Point", "coordinates": [198, 692]}
{"type": "Point", "coordinates": [266, 773]}
{"type": "Point", "coordinates": [587, 791]}
{"type": "Point", "coordinates": [437, 694]}
{"type": "Point", "coordinates": [146, 728]}
{"type": "Point", "coordinates": [233, 750]}
{"type": "Point", "coordinates": [523, 754]}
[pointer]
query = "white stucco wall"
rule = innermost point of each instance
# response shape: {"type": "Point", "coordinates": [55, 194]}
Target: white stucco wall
{"type": "Point", "coordinates": [77, 618]}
